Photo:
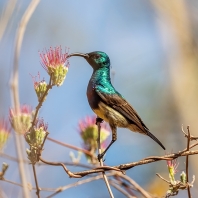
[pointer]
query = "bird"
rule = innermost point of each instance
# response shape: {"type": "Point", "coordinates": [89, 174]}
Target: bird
{"type": "Point", "coordinates": [107, 103]}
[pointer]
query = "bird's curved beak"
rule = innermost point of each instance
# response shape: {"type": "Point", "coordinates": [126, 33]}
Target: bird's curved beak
{"type": "Point", "coordinates": [79, 54]}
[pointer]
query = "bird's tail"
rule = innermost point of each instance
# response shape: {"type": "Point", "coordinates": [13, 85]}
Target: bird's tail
{"type": "Point", "coordinates": [155, 139]}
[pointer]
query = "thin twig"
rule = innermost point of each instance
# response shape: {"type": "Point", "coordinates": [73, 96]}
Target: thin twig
{"type": "Point", "coordinates": [191, 146]}
{"type": "Point", "coordinates": [188, 144]}
{"type": "Point", "coordinates": [125, 184]}
{"type": "Point", "coordinates": [60, 189]}
{"type": "Point", "coordinates": [36, 181]}
{"type": "Point", "coordinates": [11, 182]}
{"type": "Point", "coordinates": [30, 188]}
{"type": "Point", "coordinates": [137, 186]}
{"type": "Point", "coordinates": [70, 146]}
{"type": "Point", "coordinates": [14, 84]}
{"type": "Point", "coordinates": [49, 86]}
{"type": "Point", "coordinates": [60, 164]}
{"type": "Point", "coordinates": [163, 178]}
{"type": "Point", "coordinates": [186, 135]}
{"type": "Point", "coordinates": [41, 164]}
{"type": "Point", "coordinates": [101, 160]}
{"type": "Point", "coordinates": [120, 189]}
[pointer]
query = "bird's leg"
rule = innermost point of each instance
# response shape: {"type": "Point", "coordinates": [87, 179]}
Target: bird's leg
{"type": "Point", "coordinates": [114, 138]}
{"type": "Point", "coordinates": [98, 122]}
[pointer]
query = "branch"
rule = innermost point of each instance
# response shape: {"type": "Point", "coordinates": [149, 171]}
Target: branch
{"type": "Point", "coordinates": [187, 135]}
{"type": "Point", "coordinates": [36, 182]}
{"type": "Point", "coordinates": [148, 160]}
{"type": "Point", "coordinates": [60, 164]}
{"type": "Point", "coordinates": [188, 145]}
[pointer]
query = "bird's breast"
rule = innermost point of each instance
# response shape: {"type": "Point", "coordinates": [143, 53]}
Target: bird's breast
{"type": "Point", "coordinates": [92, 96]}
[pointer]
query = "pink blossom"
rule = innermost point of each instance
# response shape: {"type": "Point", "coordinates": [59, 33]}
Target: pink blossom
{"type": "Point", "coordinates": [53, 58]}
{"type": "Point", "coordinates": [24, 109]}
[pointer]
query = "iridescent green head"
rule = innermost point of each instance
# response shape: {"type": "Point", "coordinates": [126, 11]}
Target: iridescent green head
{"type": "Point", "coordinates": [96, 59]}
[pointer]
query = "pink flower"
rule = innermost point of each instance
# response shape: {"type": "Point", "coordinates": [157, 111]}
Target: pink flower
{"type": "Point", "coordinates": [21, 121]}
{"type": "Point", "coordinates": [91, 121]}
{"type": "Point", "coordinates": [53, 58]}
{"type": "Point", "coordinates": [4, 132]}
{"type": "Point", "coordinates": [173, 165]}
{"type": "Point", "coordinates": [56, 64]}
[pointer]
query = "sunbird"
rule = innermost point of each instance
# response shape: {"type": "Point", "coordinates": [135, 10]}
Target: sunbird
{"type": "Point", "coordinates": [107, 103]}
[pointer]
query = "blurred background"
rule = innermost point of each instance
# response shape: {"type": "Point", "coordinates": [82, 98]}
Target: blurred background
{"type": "Point", "coordinates": [152, 46]}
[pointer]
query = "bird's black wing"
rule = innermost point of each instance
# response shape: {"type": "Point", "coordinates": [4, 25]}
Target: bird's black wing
{"type": "Point", "coordinates": [116, 101]}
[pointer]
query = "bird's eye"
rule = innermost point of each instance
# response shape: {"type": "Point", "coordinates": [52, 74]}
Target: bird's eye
{"type": "Point", "coordinates": [97, 56]}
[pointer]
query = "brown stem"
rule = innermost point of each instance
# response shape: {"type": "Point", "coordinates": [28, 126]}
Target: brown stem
{"type": "Point", "coordinates": [49, 86]}
{"type": "Point", "coordinates": [163, 178]}
{"type": "Point", "coordinates": [188, 145]}
{"type": "Point", "coordinates": [60, 164]}
{"type": "Point", "coordinates": [186, 135]}
{"type": "Point", "coordinates": [141, 162]}
{"type": "Point", "coordinates": [36, 181]}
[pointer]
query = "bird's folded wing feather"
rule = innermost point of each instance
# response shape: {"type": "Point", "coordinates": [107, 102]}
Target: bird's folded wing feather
{"type": "Point", "coordinates": [117, 102]}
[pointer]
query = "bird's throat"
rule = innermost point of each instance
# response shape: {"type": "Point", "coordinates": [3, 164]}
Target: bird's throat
{"type": "Point", "coordinates": [101, 75]}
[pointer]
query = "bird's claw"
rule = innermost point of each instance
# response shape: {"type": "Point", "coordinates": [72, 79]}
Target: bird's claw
{"type": "Point", "coordinates": [100, 120]}
{"type": "Point", "coordinates": [100, 156]}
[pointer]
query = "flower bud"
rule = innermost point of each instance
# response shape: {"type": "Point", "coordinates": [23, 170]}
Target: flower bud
{"type": "Point", "coordinates": [40, 87]}
{"type": "Point", "coordinates": [37, 135]}
{"type": "Point", "coordinates": [21, 121]}
{"type": "Point", "coordinates": [32, 155]}
{"type": "Point", "coordinates": [183, 177]}
{"type": "Point", "coordinates": [4, 167]}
